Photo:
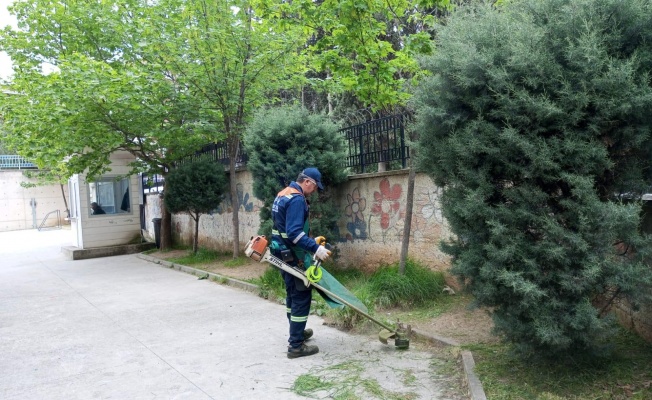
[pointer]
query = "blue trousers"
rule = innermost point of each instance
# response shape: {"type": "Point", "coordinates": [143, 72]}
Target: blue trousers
{"type": "Point", "coordinates": [297, 305]}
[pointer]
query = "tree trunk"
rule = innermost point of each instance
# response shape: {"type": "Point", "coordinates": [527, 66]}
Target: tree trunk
{"type": "Point", "coordinates": [65, 201]}
{"type": "Point", "coordinates": [166, 224]}
{"type": "Point", "coordinates": [408, 221]}
{"type": "Point", "coordinates": [195, 241]}
{"type": "Point", "coordinates": [233, 150]}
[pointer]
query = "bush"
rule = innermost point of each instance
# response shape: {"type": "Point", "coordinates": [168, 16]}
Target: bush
{"type": "Point", "coordinates": [281, 142]}
{"type": "Point", "coordinates": [536, 122]}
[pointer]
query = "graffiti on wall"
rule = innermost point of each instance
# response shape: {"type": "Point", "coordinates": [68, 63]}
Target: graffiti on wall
{"type": "Point", "coordinates": [386, 216]}
{"type": "Point", "coordinates": [245, 202]}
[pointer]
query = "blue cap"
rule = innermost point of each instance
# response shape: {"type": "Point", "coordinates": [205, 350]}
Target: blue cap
{"type": "Point", "coordinates": [313, 173]}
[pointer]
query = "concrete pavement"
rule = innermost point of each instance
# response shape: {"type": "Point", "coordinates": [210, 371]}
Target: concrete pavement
{"type": "Point", "coordinates": [124, 328]}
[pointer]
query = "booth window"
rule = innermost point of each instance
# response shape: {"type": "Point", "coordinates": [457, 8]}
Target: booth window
{"type": "Point", "coordinates": [109, 195]}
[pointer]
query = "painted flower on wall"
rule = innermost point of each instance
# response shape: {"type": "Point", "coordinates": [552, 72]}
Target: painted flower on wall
{"type": "Point", "coordinates": [356, 205]}
{"type": "Point", "coordinates": [386, 202]}
{"type": "Point", "coordinates": [432, 208]}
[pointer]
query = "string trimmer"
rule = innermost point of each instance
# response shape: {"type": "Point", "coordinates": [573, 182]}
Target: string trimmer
{"type": "Point", "coordinates": [316, 276]}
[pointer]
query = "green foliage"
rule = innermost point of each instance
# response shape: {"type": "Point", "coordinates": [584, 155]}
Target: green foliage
{"type": "Point", "coordinates": [366, 48]}
{"type": "Point", "coordinates": [272, 284]}
{"type": "Point", "coordinates": [536, 123]}
{"type": "Point", "coordinates": [625, 375]}
{"type": "Point", "coordinates": [417, 286]}
{"type": "Point", "coordinates": [196, 188]}
{"type": "Point", "coordinates": [101, 96]}
{"type": "Point", "coordinates": [281, 142]}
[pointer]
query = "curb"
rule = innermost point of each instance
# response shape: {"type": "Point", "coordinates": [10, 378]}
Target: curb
{"type": "Point", "coordinates": [249, 287]}
{"type": "Point", "coordinates": [475, 390]}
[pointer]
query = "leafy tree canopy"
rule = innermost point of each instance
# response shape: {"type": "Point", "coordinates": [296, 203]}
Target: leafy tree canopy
{"type": "Point", "coordinates": [196, 188]}
{"type": "Point", "coordinates": [536, 123]}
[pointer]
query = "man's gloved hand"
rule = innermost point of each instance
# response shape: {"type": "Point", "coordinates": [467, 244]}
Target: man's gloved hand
{"type": "Point", "coordinates": [320, 240]}
{"type": "Point", "coordinates": [322, 253]}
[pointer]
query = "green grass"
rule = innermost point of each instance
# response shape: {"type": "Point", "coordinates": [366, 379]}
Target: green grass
{"type": "Point", "coordinates": [202, 256]}
{"type": "Point", "coordinates": [626, 374]}
{"type": "Point", "coordinates": [344, 381]}
{"type": "Point", "coordinates": [417, 286]}
{"type": "Point", "coordinates": [271, 284]}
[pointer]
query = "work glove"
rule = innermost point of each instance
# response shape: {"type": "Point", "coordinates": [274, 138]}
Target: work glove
{"type": "Point", "coordinates": [322, 253]}
{"type": "Point", "coordinates": [320, 240]}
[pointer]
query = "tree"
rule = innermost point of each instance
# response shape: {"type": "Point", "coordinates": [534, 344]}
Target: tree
{"type": "Point", "coordinates": [101, 97]}
{"type": "Point", "coordinates": [230, 59]}
{"type": "Point", "coordinates": [367, 48]}
{"type": "Point", "coordinates": [281, 142]}
{"type": "Point", "coordinates": [536, 124]}
{"type": "Point", "coordinates": [196, 188]}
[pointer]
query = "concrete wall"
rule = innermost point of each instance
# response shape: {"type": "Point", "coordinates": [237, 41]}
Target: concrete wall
{"type": "Point", "coordinates": [373, 216]}
{"type": "Point", "coordinates": [15, 209]}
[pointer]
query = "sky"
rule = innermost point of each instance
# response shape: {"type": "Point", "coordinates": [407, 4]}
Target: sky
{"type": "Point", "coordinates": [5, 19]}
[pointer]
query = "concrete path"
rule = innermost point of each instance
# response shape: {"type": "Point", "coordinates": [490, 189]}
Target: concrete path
{"type": "Point", "coordinates": [123, 328]}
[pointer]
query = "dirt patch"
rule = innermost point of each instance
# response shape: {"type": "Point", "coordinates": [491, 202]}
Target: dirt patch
{"type": "Point", "coordinates": [464, 326]}
{"type": "Point", "coordinates": [251, 270]}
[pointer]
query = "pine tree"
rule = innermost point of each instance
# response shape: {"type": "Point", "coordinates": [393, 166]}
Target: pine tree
{"type": "Point", "coordinates": [281, 142]}
{"type": "Point", "coordinates": [536, 122]}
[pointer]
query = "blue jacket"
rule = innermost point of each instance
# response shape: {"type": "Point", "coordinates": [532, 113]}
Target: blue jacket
{"type": "Point", "coordinates": [290, 214]}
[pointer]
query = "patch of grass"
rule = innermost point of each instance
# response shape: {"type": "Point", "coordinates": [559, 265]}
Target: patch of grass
{"type": "Point", "coordinates": [237, 262]}
{"type": "Point", "coordinates": [201, 257]}
{"type": "Point", "coordinates": [271, 284]}
{"type": "Point", "coordinates": [626, 374]}
{"type": "Point", "coordinates": [150, 251]}
{"type": "Point", "coordinates": [417, 286]}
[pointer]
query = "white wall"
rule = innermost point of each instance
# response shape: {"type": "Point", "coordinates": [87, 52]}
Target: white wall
{"type": "Point", "coordinates": [15, 209]}
{"type": "Point", "coordinates": [108, 229]}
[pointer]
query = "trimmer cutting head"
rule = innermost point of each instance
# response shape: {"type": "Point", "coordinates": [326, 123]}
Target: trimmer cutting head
{"type": "Point", "coordinates": [401, 336]}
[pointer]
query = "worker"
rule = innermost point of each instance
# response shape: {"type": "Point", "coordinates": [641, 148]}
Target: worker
{"type": "Point", "coordinates": [291, 243]}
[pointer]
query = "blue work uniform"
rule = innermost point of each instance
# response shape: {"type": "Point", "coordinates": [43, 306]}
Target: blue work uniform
{"type": "Point", "coordinates": [290, 237]}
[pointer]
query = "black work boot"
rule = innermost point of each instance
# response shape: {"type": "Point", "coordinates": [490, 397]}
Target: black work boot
{"type": "Point", "coordinates": [307, 334]}
{"type": "Point", "coordinates": [302, 351]}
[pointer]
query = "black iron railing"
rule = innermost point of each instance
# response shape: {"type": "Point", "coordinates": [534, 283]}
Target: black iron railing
{"type": "Point", "coordinates": [219, 152]}
{"type": "Point", "coordinates": [377, 145]}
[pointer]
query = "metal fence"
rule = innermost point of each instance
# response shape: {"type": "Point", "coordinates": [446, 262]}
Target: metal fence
{"type": "Point", "coordinates": [219, 152]}
{"type": "Point", "coordinates": [377, 145]}
{"type": "Point", "coordinates": [15, 162]}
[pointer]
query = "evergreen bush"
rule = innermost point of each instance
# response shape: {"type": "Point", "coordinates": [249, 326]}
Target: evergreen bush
{"type": "Point", "coordinates": [281, 142]}
{"type": "Point", "coordinates": [536, 122]}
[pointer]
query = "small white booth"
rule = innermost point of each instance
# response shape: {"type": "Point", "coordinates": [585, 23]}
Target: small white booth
{"type": "Point", "coordinates": [105, 211]}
